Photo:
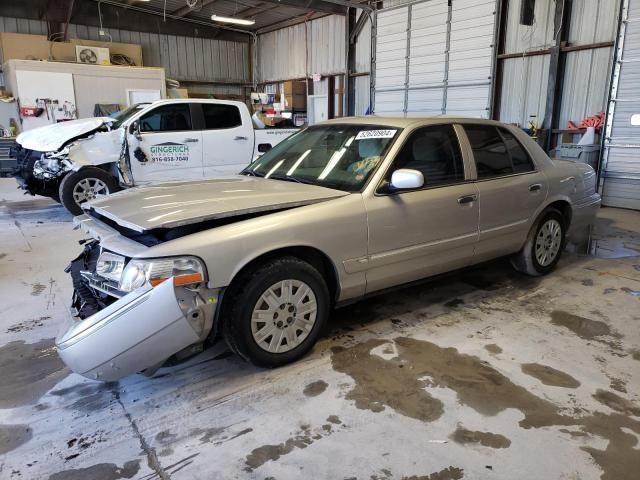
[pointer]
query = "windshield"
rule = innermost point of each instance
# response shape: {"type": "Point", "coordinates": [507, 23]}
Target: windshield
{"type": "Point", "coordinates": [121, 116]}
{"type": "Point", "coordinates": [334, 156]}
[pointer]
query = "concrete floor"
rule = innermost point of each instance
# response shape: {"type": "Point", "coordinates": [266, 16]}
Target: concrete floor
{"type": "Point", "coordinates": [484, 374]}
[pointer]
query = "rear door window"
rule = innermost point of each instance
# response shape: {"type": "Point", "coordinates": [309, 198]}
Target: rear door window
{"type": "Point", "coordinates": [220, 116]}
{"type": "Point", "coordinates": [489, 151]}
{"type": "Point", "coordinates": [520, 159]}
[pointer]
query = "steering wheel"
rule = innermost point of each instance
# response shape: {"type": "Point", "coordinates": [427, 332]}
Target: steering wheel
{"type": "Point", "coordinates": [146, 126]}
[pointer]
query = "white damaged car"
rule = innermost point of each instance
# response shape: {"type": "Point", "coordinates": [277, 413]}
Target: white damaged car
{"type": "Point", "coordinates": [174, 139]}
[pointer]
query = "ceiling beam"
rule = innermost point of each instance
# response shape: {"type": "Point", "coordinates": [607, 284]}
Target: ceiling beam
{"type": "Point", "coordinates": [181, 12]}
{"type": "Point", "coordinates": [311, 5]}
{"type": "Point", "coordinates": [249, 12]}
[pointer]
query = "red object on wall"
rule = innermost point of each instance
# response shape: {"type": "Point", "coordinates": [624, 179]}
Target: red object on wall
{"type": "Point", "coordinates": [31, 111]}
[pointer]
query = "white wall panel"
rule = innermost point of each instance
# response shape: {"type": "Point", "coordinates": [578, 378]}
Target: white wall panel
{"type": "Point", "coordinates": [283, 54]}
{"type": "Point", "coordinates": [524, 89]}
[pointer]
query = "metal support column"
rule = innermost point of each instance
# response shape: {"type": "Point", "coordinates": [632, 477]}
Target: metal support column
{"type": "Point", "coordinates": [561, 26]}
{"type": "Point", "coordinates": [350, 82]}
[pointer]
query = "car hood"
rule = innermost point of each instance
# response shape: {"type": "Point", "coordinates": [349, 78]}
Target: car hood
{"type": "Point", "coordinates": [51, 138]}
{"type": "Point", "coordinates": [169, 205]}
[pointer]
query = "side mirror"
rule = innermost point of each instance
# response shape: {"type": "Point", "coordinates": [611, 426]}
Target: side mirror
{"type": "Point", "coordinates": [406, 179]}
{"type": "Point", "coordinates": [134, 129]}
{"type": "Point", "coordinates": [264, 147]}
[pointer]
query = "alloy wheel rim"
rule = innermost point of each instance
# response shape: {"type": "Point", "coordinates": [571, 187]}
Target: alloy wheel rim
{"type": "Point", "coordinates": [548, 242]}
{"type": "Point", "coordinates": [284, 316]}
{"type": "Point", "coordinates": [89, 189]}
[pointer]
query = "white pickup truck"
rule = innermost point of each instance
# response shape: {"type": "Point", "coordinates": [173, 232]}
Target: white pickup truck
{"type": "Point", "coordinates": [174, 139]}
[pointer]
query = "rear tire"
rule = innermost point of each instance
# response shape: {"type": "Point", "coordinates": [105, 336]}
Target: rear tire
{"type": "Point", "coordinates": [274, 314]}
{"type": "Point", "coordinates": [86, 184]}
{"type": "Point", "coordinates": [544, 245]}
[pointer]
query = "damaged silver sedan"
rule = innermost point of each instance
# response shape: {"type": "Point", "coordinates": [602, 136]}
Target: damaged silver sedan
{"type": "Point", "coordinates": [336, 212]}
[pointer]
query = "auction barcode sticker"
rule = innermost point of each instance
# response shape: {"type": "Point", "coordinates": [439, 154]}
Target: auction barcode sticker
{"type": "Point", "coordinates": [375, 134]}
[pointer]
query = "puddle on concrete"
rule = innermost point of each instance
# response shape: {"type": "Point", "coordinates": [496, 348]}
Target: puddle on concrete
{"type": "Point", "coordinates": [487, 439]}
{"type": "Point", "coordinates": [88, 397]}
{"type": "Point", "coordinates": [605, 240]}
{"type": "Point", "coordinates": [100, 471]}
{"type": "Point", "coordinates": [449, 473]}
{"type": "Point", "coordinates": [315, 388]}
{"type": "Point", "coordinates": [617, 403]}
{"type": "Point", "coordinates": [380, 383]}
{"type": "Point", "coordinates": [29, 370]}
{"type": "Point", "coordinates": [581, 326]}
{"type": "Point", "coordinates": [12, 436]}
{"type": "Point", "coordinates": [549, 375]}
{"type": "Point", "coordinates": [493, 348]}
{"type": "Point", "coordinates": [399, 383]}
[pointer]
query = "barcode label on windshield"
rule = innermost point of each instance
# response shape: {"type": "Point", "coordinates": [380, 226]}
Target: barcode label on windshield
{"type": "Point", "coordinates": [375, 134]}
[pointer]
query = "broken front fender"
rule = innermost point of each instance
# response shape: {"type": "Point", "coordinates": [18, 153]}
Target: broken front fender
{"type": "Point", "coordinates": [101, 148]}
{"type": "Point", "coordinates": [139, 331]}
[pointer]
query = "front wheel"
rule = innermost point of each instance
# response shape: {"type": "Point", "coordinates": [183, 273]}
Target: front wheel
{"type": "Point", "coordinates": [544, 245]}
{"type": "Point", "coordinates": [86, 184]}
{"type": "Point", "coordinates": [275, 314]}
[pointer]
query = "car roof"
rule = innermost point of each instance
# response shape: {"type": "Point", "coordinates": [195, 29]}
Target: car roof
{"type": "Point", "coordinates": [195, 100]}
{"type": "Point", "coordinates": [404, 122]}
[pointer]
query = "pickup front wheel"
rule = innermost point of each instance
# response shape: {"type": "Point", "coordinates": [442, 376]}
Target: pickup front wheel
{"type": "Point", "coordinates": [276, 313]}
{"type": "Point", "coordinates": [86, 184]}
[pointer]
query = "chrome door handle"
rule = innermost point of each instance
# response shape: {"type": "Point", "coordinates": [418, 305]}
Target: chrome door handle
{"type": "Point", "coordinates": [241, 138]}
{"type": "Point", "coordinates": [535, 187]}
{"type": "Point", "coordinates": [467, 199]}
{"type": "Point", "coordinates": [190, 140]}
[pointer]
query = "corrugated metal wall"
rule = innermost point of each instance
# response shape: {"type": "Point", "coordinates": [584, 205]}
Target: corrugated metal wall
{"type": "Point", "coordinates": [524, 81]}
{"type": "Point", "coordinates": [183, 58]}
{"type": "Point", "coordinates": [282, 54]}
{"type": "Point", "coordinates": [621, 161]}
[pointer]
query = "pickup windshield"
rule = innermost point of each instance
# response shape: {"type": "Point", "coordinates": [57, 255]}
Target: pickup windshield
{"type": "Point", "coordinates": [120, 117]}
{"type": "Point", "coordinates": [334, 156]}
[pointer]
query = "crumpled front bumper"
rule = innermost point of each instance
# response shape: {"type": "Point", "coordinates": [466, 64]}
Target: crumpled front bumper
{"type": "Point", "coordinates": [139, 331]}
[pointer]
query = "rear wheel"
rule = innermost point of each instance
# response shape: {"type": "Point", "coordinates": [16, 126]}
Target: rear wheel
{"type": "Point", "coordinates": [86, 184]}
{"type": "Point", "coordinates": [275, 314]}
{"type": "Point", "coordinates": [544, 245]}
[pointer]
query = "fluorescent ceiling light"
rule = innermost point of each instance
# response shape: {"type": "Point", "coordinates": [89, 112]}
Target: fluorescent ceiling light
{"type": "Point", "coordinates": [237, 21]}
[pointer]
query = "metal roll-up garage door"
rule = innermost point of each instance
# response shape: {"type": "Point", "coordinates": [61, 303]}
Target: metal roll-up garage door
{"type": "Point", "coordinates": [435, 57]}
{"type": "Point", "coordinates": [620, 178]}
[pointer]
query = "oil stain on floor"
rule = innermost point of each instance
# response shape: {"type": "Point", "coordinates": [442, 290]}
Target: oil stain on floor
{"type": "Point", "coordinates": [315, 388]}
{"type": "Point", "coordinates": [583, 327]}
{"type": "Point", "coordinates": [400, 383]}
{"type": "Point", "coordinates": [550, 376]}
{"type": "Point", "coordinates": [101, 471]}
{"type": "Point", "coordinates": [29, 370]}
{"type": "Point", "coordinates": [486, 439]}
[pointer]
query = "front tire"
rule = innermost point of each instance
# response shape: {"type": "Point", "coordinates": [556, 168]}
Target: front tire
{"type": "Point", "coordinates": [275, 314]}
{"type": "Point", "coordinates": [544, 245]}
{"type": "Point", "coordinates": [86, 184]}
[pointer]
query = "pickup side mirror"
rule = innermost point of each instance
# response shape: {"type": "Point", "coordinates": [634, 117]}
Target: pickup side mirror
{"type": "Point", "coordinates": [264, 147]}
{"type": "Point", "coordinates": [406, 179]}
{"type": "Point", "coordinates": [134, 129]}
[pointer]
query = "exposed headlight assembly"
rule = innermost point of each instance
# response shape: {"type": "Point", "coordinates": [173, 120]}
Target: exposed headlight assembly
{"type": "Point", "coordinates": [184, 270]}
{"type": "Point", "coordinates": [110, 266]}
